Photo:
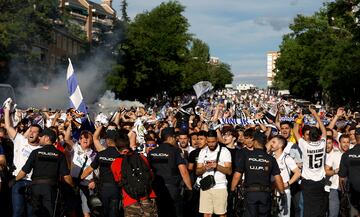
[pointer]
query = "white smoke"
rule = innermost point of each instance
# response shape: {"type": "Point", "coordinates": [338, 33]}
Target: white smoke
{"type": "Point", "coordinates": [91, 77]}
{"type": "Point", "coordinates": [108, 104]}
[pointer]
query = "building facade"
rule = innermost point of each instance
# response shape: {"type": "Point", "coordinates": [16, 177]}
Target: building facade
{"type": "Point", "coordinates": [271, 57]}
{"type": "Point", "coordinates": [93, 18]}
{"type": "Point", "coordinates": [89, 18]}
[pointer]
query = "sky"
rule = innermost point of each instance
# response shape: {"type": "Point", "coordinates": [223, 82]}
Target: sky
{"type": "Point", "coordinates": [239, 32]}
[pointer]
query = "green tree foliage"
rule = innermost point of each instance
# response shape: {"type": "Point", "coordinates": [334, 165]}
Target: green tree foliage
{"type": "Point", "coordinates": [124, 16]}
{"type": "Point", "coordinates": [24, 23]}
{"type": "Point", "coordinates": [320, 58]}
{"type": "Point", "coordinates": [158, 54]}
{"type": "Point", "coordinates": [200, 50]}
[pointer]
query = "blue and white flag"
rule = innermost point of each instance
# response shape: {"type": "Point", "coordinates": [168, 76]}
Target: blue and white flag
{"type": "Point", "coordinates": [202, 87]}
{"type": "Point", "coordinates": [76, 98]}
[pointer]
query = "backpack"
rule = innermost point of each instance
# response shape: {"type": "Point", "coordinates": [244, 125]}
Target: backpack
{"type": "Point", "coordinates": [136, 177]}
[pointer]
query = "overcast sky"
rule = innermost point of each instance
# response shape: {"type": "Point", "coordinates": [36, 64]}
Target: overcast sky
{"type": "Point", "coordinates": [239, 32]}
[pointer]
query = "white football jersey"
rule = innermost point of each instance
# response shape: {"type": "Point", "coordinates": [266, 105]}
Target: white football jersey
{"type": "Point", "coordinates": [313, 157]}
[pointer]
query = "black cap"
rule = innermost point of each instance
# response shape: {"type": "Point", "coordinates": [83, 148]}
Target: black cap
{"type": "Point", "coordinates": [50, 133]}
{"type": "Point", "coordinates": [168, 131]}
{"type": "Point", "coordinates": [112, 134]}
{"type": "Point", "coordinates": [260, 137]}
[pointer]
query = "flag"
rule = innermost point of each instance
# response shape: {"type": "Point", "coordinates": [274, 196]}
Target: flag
{"type": "Point", "coordinates": [240, 113]}
{"type": "Point", "coordinates": [76, 98]}
{"type": "Point", "coordinates": [202, 87]}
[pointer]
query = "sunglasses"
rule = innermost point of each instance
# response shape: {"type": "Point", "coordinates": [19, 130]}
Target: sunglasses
{"type": "Point", "coordinates": [151, 145]}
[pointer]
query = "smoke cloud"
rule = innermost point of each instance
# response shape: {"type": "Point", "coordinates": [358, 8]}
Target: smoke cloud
{"type": "Point", "coordinates": [54, 94]}
{"type": "Point", "coordinates": [108, 104]}
{"type": "Point", "coordinates": [50, 91]}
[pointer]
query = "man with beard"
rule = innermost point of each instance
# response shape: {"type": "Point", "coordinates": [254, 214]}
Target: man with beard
{"type": "Point", "coordinates": [184, 145]}
{"type": "Point", "coordinates": [23, 146]}
{"type": "Point", "coordinates": [216, 161]}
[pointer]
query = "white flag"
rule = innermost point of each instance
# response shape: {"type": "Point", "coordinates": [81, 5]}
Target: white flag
{"type": "Point", "coordinates": [202, 87]}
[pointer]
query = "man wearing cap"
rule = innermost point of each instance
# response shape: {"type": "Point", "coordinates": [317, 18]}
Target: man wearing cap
{"type": "Point", "coordinates": [48, 166]}
{"type": "Point", "coordinates": [258, 167]}
{"type": "Point", "coordinates": [350, 170]}
{"type": "Point", "coordinates": [169, 168]}
{"type": "Point", "coordinates": [108, 189]}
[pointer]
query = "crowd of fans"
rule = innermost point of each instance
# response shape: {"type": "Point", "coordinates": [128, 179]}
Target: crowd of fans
{"type": "Point", "coordinates": [182, 140]}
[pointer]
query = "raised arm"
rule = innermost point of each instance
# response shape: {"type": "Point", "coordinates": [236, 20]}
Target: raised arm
{"type": "Point", "coordinates": [339, 113]}
{"type": "Point", "coordinates": [8, 124]}
{"type": "Point", "coordinates": [321, 125]}
{"type": "Point", "coordinates": [277, 117]}
{"type": "Point", "coordinates": [96, 139]}
{"type": "Point", "coordinates": [219, 136]}
{"type": "Point", "coordinates": [297, 124]}
{"type": "Point", "coordinates": [67, 136]}
{"type": "Point", "coordinates": [117, 118]}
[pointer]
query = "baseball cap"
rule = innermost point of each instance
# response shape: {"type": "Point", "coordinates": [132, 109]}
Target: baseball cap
{"type": "Point", "coordinates": [168, 131]}
{"type": "Point", "coordinates": [50, 133]}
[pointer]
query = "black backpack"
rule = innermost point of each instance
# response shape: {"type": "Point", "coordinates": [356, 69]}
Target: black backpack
{"type": "Point", "coordinates": [136, 177]}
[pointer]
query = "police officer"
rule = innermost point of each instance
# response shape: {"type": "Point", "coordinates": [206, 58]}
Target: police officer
{"type": "Point", "coordinates": [350, 169]}
{"type": "Point", "coordinates": [169, 169]}
{"type": "Point", "coordinates": [48, 165]}
{"type": "Point", "coordinates": [258, 168]}
{"type": "Point", "coordinates": [108, 189]}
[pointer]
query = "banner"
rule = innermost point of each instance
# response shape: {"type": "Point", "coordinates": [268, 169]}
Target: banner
{"type": "Point", "coordinates": [242, 122]}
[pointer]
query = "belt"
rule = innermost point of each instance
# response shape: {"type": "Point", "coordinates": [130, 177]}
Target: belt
{"type": "Point", "coordinates": [44, 181]}
{"type": "Point", "coordinates": [258, 189]}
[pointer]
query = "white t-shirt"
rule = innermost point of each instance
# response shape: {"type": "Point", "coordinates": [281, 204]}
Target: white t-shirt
{"type": "Point", "coordinates": [293, 151]}
{"type": "Point", "coordinates": [225, 157]}
{"type": "Point", "coordinates": [286, 165]}
{"type": "Point", "coordinates": [78, 159]}
{"type": "Point", "coordinates": [22, 150]}
{"type": "Point", "coordinates": [313, 157]}
{"type": "Point", "coordinates": [333, 160]}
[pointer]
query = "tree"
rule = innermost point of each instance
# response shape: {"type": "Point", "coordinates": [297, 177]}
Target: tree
{"type": "Point", "coordinates": [319, 58]}
{"type": "Point", "coordinates": [155, 51]}
{"type": "Point", "coordinates": [200, 50]}
{"type": "Point", "coordinates": [158, 54]}
{"type": "Point", "coordinates": [124, 16]}
{"type": "Point", "coordinates": [24, 23]}
{"type": "Point", "coordinates": [220, 75]}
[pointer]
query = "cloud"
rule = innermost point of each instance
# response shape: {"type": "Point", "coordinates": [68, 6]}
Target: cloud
{"type": "Point", "coordinates": [294, 2]}
{"type": "Point", "coordinates": [277, 23]}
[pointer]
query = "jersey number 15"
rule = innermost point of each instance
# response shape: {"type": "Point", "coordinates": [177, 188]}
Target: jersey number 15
{"type": "Point", "coordinates": [315, 160]}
